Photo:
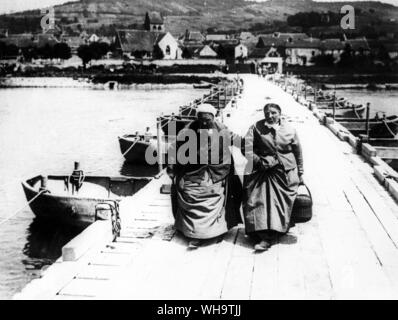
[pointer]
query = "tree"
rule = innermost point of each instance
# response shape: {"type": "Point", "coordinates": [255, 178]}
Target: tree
{"type": "Point", "coordinates": [138, 54]}
{"type": "Point", "coordinates": [186, 54]}
{"type": "Point", "coordinates": [323, 60]}
{"type": "Point", "coordinates": [94, 51]}
{"type": "Point", "coordinates": [84, 52]}
{"type": "Point", "coordinates": [12, 50]}
{"type": "Point", "coordinates": [30, 53]}
{"type": "Point", "coordinates": [147, 25]}
{"type": "Point", "coordinates": [103, 48]}
{"type": "Point", "coordinates": [346, 57]}
{"type": "Point", "coordinates": [313, 19]}
{"type": "Point", "coordinates": [46, 52]}
{"type": "Point", "coordinates": [62, 51]}
{"type": "Point", "coordinates": [157, 53]}
{"type": "Point", "coordinates": [99, 49]}
{"type": "Point", "coordinates": [3, 48]}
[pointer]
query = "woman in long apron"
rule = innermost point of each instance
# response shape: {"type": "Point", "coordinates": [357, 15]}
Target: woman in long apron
{"type": "Point", "coordinates": [206, 196]}
{"type": "Point", "coordinates": [270, 188]}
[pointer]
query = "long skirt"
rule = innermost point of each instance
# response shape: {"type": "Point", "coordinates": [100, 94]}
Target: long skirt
{"type": "Point", "coordinates": [268, 198]}
{"type": "Point", "coordinates": [203, 209]}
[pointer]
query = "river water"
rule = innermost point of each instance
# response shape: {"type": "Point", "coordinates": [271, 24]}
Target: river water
{"type": "Point", "coordinates": [43, 131]}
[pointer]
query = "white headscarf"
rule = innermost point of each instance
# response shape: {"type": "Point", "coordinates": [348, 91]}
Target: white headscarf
{"type": "Point", "coordinates": [206, 108]}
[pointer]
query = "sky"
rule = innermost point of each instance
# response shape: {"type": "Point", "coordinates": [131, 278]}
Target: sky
{"type": "Point", "coordinates": [7, 6]}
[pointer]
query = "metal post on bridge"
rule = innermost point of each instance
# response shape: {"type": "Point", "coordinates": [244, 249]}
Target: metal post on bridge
{"type": "Point", "coordinates": [219, 97]}
{"type": "Point", "coordinates": [334, 105]}
{"type": "Point", "coordinates": [286, 75]}
{"type": "Point", "coordinates": [159, 154]}
{"type": "Point", "coordinates": [305, 91]}
{"type": "Point", "coordinates": [225, 94]}
{"type": "Point", "coordinates": [367, 119]}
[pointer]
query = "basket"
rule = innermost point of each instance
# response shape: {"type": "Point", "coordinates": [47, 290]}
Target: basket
{"type": "Point", "coordinates": [302, 208]}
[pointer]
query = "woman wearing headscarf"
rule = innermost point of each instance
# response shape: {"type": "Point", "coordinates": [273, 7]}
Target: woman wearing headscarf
{"type": "Point", "coordinates": [273, 150]}
{"type": "Point", "coordinates": [206, 195]}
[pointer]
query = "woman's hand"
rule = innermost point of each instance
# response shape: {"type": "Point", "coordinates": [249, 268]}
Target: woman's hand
{"type": "Point", "coordinates": [268, 162]}
{"type": "Point", "coordinates": [170, 173]}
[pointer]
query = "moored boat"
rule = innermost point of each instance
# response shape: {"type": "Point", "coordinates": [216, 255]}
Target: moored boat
{"type": "Point", "coordinates": [95, 198]}
{"type": "Point", "coordinates": [203, 85]}
{"type": "Point", "coordinates": [340, 103]}
{"type": "Point", "coordinates": [348, 111]}
{"type": "Point", "coordinates": [383, 142]}
{"type": "Point", "coordinates": [388, 128]}
{"type": "Point", "coordinates": [385, 127]}
{"type": "Point", "coordinates": [134, 148]}
{"type": "Point", "coordinates": [172, 125]}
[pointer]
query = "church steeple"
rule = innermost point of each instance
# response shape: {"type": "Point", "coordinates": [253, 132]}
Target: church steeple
{"type": "Point", "coordinates": [154, 22]}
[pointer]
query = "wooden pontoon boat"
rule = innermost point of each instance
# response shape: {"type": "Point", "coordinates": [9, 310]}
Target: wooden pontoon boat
{"type": "Point", "coordinates": [379, 127]}
{"type": "Point", "coordinates": [178, 122]}
{"type": "Point", "coordinates": [348, 111]}
{"type": "Point", "coordinates": [134, 147]}
{"type": "Point", "coordinates": [94, 199]}
{"type": "Point", "coordinates": [203, 85]}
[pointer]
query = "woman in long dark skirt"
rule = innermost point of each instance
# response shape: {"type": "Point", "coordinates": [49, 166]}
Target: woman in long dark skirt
{"type": "Point", "coordinates": [270, 188]}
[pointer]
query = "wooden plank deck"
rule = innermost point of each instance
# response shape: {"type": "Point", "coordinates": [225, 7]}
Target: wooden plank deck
{"type": "Point", "coordinates": [348, 250]}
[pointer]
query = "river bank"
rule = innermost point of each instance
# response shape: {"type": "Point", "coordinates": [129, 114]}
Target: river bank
{"type": "Point", "coordinates": [374, 78]}
{"type": "Point", "coordinates": [120, 81]}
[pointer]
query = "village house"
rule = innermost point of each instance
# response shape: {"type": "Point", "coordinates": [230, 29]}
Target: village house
{"type": "Point", "coordinates": [146, 44]}
{"type": "Point", "coordinates": [241, 52]}
{"type": "Point", "coordinates": [302, 52]}
{"type": "Point", "coordinates": [169, 46]}
{"type": "Point", "coordinates": [260, 53]}
{"type": "Point", "coordinates": [277, 41]}
{"type": "Point", "coordinates": [199, 52]}
{"type": "Point", "coordinates": [358, 46]}
{"type": "Point", "coordinates": [191, 50]}
{"type": "Point", "coordinates": [22, 40]}
{"type": "Point", "coordinates": [332, 47]}
{"type": "Point", "coordinates": [151, 43]}
{"type": "Point", "coordinates": [391, 50]}
{"type": "Point", "coordinates": [3, 33]}
{"type": "Point", "coordinates": [232, 52]}
{"type": "Point", "coordinates": [74, 42]}
{"type": "Point", "coordinates": [224, 40]}
{"type": "Point", "coordinates": [191, 38]}
{"type": "Point", "coordinates": [246, 36]}
{"type": "Point", "coordinates": [216, 37]}
{"type": "Point", "coordinates": [268, 42]}
{"type": "Point", "coordinates": [84, 34]}
{"type": "Point", "coordinates": [206, 52]}
{"type": "Point", "coordinates": [93, 38]}
{"type": "Point", "coordinates": [263, 57]}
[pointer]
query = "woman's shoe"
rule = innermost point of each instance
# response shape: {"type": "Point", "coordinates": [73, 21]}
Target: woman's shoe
{"type": "Point", "coordinates": [262, 246]}
{"type": "Point", "coordinates": [194, 244]}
